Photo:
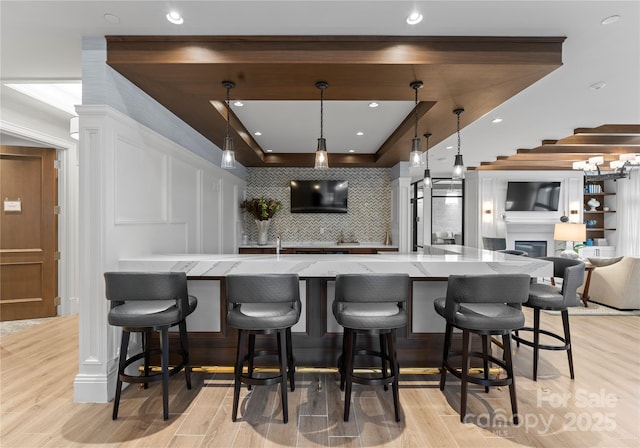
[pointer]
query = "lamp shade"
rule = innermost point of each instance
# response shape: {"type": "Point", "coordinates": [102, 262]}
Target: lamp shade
{"type": "Point", "coordinates": [566, 231]}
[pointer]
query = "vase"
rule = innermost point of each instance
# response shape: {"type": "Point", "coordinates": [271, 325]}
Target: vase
{"type": "Point", "coordinates": [263, 231]}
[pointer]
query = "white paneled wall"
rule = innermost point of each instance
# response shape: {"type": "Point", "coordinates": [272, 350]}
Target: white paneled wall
{"type": "Point", "coordinates": [140, 194]}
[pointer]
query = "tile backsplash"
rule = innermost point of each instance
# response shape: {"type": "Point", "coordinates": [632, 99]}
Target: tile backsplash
{"type": "Point", "coordinates": [369, 205]}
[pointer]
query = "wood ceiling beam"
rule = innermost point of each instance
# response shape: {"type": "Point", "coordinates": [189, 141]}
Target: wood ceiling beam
{"type": "Point", "coordinates": [306, 160]}
{"type": "Point", "coordinates": [578, 149]}
{"type": "Point", "coordinates": [610, 129]}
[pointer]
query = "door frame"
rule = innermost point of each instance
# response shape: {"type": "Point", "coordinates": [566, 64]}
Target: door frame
{"type": "Point", "coordinates": [67, 161]}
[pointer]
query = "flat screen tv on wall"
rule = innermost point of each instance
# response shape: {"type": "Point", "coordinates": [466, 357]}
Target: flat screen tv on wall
{"type": "Point", "coordinates": [319, 196]}
{"type": "Point", "coordinates": [532, 196]}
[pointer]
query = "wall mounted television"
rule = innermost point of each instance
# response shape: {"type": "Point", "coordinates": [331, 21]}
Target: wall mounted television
{"type": "Point", "coordinates": [532, 196]}
{"type": "Point", "coordinates": [319, 196]}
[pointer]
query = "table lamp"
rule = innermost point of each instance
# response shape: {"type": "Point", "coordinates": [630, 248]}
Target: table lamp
{"type": "Point", "coordinates": [569, 232]}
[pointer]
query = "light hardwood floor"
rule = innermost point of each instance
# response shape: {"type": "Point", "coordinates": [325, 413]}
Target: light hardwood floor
{"type": "Point", "coordinates": [601, 408]}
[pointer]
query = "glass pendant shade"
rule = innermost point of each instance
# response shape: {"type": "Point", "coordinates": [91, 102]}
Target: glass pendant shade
{"type": "Point", "coordinates": [322, 162]}
{"type": "Point", "coordinates": [426, 181]}
{"type": "Point", "coordinates": [458, 165]}
{"type": "Point", "coordinates": [228, 154]}
{"type": "Point", "coordinates": [322, 159]}
{"type": "Point", "coordinates": [458, 168]}
{"type": "Point", "coordinates": [415, 156]}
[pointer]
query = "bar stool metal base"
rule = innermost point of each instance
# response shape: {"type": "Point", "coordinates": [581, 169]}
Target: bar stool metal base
{"type": "Point", "coordinates": [487, 358]}
{"type": "Point", "coordinates": [535, 343]}
{"type": "Point", "coordinates": [390, 369]}
{"type": "Point", "coordinates": [246, 353]}
{"type": "Point", "coordinates": [146, 353]}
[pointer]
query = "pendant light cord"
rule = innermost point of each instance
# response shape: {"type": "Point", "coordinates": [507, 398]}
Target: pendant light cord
{"type": "Point", "coordinates": [415, 131]}
{"type": "Point", "coordinates": [228, 110]}
{"type": "Point", "coordinates": [459, 132]}
{"type": "Point", "coordinates": [426, 151]}
{"type": "Point", "coordinates": [321, 111]}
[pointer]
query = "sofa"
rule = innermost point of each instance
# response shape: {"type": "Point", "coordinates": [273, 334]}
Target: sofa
{"type": "Point", "coordinates": [615, 283]}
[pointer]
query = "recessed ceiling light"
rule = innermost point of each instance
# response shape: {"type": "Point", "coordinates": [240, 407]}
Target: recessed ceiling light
{"type": "Point", "coordinates": [111, 18]}
{"type": "Point", "coordinates": [598, 85]}
{"type": "Point", "coordinates": [609, 20]}
{"type": "Point", "coordinates": [352, 150]}
{"type": "Point", "coordinates": [373, 104]}
{"type": "Point", "coordinates": [414, 18]}
{"type": "Point", "coordinates": [269, 150]}
{"type": "Point", "coordinates": [258, 133]}
{"type": "Point", "coordinates": [496, 120]}
{"type": "Point", "coordinates": [175, 17]}
{"type": "Point", "coordinates": [359, 133]}
{"type": "Point", "coordinates": [238, 103]}
{"type": "Point", "coordinates": [449, 147]}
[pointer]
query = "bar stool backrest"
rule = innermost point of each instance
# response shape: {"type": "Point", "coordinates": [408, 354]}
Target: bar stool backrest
{"type": "Point", "coordinates": [263, 288]}
{"type": "Point", "coordinates": [121, 287]}
{"type": "Point", "coordinates": [509, 289]}
{"type": "Point", "coordinates": [372, 287]}
{"type": "Point", "coordinates": [572, 274]}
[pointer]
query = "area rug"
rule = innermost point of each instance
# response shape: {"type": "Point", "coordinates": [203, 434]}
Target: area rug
{"type": "Point", "coordinates": [13, 326]}
{"type": "Point", "coordinates": [595, 309]}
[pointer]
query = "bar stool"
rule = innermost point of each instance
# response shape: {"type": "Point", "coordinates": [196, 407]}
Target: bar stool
{"type": "Point", "coordinates": [144, 302]}
{"type": "Point", "coordinates": [263, 304]}
{"type": "Point", "coordinates": [485, 305]}
{"type": "Point", "coordinates": [370, 304]}
{"type": "Point", "coordinates": [548, 297]}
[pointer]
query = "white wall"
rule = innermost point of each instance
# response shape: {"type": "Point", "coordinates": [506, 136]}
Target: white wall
{"type": "Point", "coordinates": [487, 190]}
{"type": "Point", "coordinates": [148, 184]}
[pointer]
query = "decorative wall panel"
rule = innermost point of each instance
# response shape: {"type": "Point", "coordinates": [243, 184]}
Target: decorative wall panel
{"type": "Point", "coordinates": [369, 205]}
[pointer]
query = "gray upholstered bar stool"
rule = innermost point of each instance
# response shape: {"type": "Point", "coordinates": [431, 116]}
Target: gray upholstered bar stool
{"type": "Point", "coordinates": [485, 305]}
{"type": "Point", "coordinates": [370, 304]}
{"type": "Point", "coordinates": [549, 297]}
{"type": "Point", "coordinates": [263, 304]}
{"type": "Point", "coordinates": [145, 302]}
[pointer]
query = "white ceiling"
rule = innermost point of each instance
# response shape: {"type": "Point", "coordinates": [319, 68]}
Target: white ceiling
{"type": "Point", "coordinates": [41, 40]}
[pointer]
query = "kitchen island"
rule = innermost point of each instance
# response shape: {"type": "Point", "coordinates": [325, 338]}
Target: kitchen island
{"type": "Point", "coordinates": [317, 337]}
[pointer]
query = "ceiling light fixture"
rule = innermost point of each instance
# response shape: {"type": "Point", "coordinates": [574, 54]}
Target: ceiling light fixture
{"type": "Point", "coordinates": [373, 104]}
{"type": "Point", "coordinates": [621, 167]}
{"type": "Point", "coordinates": [359, 133]}
{"type": "Point", "coordinates": [74, 128]}
{"type": "Point", "coordinates": [175, 18]}
{"type": "Point", "coordinates": [496, 120]}
{"type": "Point", "coordinates": [609, 20]}
{"type": "Point", "coordinates": [322, 162]}
{"type": "Point", "coordinates": [111, 18]}
{"type": "Point", "coordinates": [228, 155]}
{"type": "Point", "coordinates": [426, 180]}
{"type": "Point", "coordinates": [352, 150]}
{"type": "Point", "coordinates": [598, 85]}
{"type": "Point", "coordinates": [416, 153]}
{"type": "Point", "coordinates": [258, 133]}
{"type": "Point", "coordinates": [238, 103]}
{"type": "Point", "coordinates": [458, 166]}
{"type": "Point", "coordinates": [414, 18]}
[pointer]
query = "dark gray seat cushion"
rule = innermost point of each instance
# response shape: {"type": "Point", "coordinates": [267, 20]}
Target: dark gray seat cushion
{"type": "Point", "coordinates": [545, 296]}
{"type": "Point", "coordinates": [369, 316]}
{"type": "Point", "coordinates": [484, 316]}
{"type": "Point", "coordinates": [148, 313]}
{"type": "Point", "coordinates": [263, 316]}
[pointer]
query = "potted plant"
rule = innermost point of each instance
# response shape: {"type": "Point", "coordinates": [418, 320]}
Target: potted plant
{"type": "Point", "coordinates": [262, 209]}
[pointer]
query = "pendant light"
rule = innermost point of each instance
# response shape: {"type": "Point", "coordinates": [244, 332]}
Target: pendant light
{"type": "Point", "coordinates": [228, 155]}
{"type": "Point", "coordinates": [322, 162]}
{"type": "Point", "coordinates": [416, 154]}
{"type": "Point", "coordinates": [458, 165]}
{"type": "Point", "coordinates": [426, 181]}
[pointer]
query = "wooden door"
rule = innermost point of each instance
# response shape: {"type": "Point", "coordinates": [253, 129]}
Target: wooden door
{"type": "Point", "coordinates": [28, 229]}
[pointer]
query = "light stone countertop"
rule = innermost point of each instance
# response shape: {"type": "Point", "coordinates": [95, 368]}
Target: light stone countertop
{"type": "Point", "coordinates": [432, 262]}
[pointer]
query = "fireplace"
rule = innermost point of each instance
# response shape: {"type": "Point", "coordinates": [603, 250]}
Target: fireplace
{"type": "Point", "coordinates": [532, 248]}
